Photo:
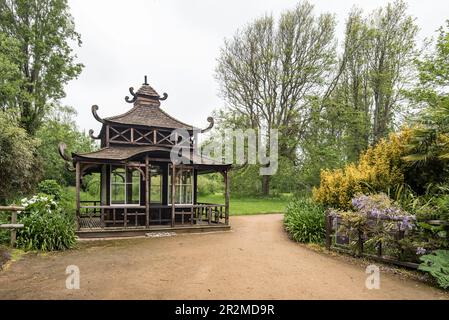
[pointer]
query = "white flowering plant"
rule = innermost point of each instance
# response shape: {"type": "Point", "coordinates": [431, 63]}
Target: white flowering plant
{"type": "Point", "coordinates": [39, 203]}
{"type": "Point", "coordinates": [46, 227]}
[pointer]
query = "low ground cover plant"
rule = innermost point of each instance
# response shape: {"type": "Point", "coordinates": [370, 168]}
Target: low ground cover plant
{"type": "Point", "coordinates": [437, 265]}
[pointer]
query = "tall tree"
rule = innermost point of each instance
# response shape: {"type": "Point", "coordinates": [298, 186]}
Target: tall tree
{"type": "Point", "coordinates": [60, 126]}
{"type": "Point", "coordinates": [363, 102]}
{"type": "Point", "coordinates": [375, 66]}
{"type": "Point", "coordinates": [269, 74]}
{"type": "Point", "coordinates": [390, 55]}
{"type": "Point", "coordinates": [10, 77]}
{"type": "Point", "coordinates": [43, 30]}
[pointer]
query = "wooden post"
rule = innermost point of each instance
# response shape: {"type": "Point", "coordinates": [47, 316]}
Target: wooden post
{"type": "Point", "coordinates": [227, 196]}
{"type": "Point", "coordinates": [379, 249]}
{"type": "Point", "coordinates": [195, 197]}
{"type": "Point", "coordinates": [77, 182]}
{"type": "Point", "coordinates": [209, 215]}
{"type": "Point", "coordinates": [107, 135]}
{"type": "Point", "coordinates": [103, 197]}
{"type": "Point", "coordinates": [195, 186]}
{"type": "Point", "coordinates": [173, 195]}
{"type": "Point", "coordinates": [13, 226]}
{"type": "Point", "coordinates": [13, 231]}
{"type": "Point", "coordinates": [147, 193]}
{"type": "Point", "coordinates": [360, 243]}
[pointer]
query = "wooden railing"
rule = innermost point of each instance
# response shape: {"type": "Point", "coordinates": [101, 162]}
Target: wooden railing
{"type": "Point", "coordinates": [213, 212]}
{"type": "Point", "coordinates": [90, 203]}
{"type": "Point", "coordinates": [110, 216]}
{"type": "Point", "coordinates": [13, 226]}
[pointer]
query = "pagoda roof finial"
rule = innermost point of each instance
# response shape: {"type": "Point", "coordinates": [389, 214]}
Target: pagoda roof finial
{"type": "Point", "coordinates": [146, 94]}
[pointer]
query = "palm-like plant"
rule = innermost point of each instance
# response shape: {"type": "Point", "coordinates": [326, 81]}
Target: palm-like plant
{"type": "Point", "coordinates": [430, 138]}
{"type": "Point", "coordinates": [430, 135]}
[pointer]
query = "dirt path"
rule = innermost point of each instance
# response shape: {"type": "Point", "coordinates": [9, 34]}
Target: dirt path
{"type": "Point", "coordinates": [254, 261]}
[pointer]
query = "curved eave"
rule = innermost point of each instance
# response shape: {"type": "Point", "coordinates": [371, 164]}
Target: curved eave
{"type": "Point", "coordinates": [115, 153]}
{"type": "Point", "coordinates": [123, 154]}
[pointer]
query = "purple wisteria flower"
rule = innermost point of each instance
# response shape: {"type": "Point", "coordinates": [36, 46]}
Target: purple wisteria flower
{"type": "Point", "coordinates": [407, 222]}
{"type": "Point", "coordinates": [360, 201]}
{"type": "Point", "coordinates": [380, 206]}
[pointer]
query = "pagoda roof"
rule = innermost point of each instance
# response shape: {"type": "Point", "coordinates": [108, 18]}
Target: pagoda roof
{"type": "Point", "coordinates": [147, 112]}
{"type": "Point", "coordinates": [150, 115]}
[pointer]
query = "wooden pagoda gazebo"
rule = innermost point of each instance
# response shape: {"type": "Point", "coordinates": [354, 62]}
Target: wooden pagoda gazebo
{"type": "Point", "coordinates": [141, 189]}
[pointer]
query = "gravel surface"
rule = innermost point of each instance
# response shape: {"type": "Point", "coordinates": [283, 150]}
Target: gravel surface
{"type": "Point", "coordinates": [256, 260]}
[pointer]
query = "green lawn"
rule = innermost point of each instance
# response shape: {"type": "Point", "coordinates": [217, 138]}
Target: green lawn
{"type": "Point", "coordinates": [238, 206]}
{"type": "Point", "coordinates": [250, 205]}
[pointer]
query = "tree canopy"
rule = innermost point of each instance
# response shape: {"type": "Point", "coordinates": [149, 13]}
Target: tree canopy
{"type": "Point", "coordinates": [38, 35]}
{"type": "Point", "coordinates": [329, 102]}
{"type": "Point", "coordinates": [18, 169]}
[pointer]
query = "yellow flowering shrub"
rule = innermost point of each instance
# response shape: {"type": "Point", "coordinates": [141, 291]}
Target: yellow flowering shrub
{"type": "Point", "coordinates": [379, 168]}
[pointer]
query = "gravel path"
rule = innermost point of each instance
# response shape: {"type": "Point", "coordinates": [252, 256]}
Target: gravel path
{"type": "Point", "coordinates": [255, 260]}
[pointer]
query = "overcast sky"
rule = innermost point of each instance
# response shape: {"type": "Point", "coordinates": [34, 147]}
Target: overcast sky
{"type": "Point", "coordinates": [176, 43]}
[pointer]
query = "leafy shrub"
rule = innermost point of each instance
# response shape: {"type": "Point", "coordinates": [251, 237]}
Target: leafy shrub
{"type": "Point", "coordinates": [304, 220]}
{"type": "Point", "coordinates": [210, 184]}
{"type": "Point", "coordinates": [246, 181]}
{"type": "Point", "coordinates": [380, 169]}
{"type": "Point", "coordinates": [92, 184]}
{"type": "Point", "coordinates": [19, 168]}
{"type": "Point", "coordinates": [433, 205]}
{"type": "Point", "coordinates": [46, 227]}
{"type": "Point", "coordinates": [437, 264]}
{"type": "Point", "coordinates": [50, 187]}
{"type": "Point", "coordinates": [67, 202]}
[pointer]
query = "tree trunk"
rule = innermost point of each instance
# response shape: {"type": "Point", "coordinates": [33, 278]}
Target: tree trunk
{"type": "Point", "coordinates": [266, 185]}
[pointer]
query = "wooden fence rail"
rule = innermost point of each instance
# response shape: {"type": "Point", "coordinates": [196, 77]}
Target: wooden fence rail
{"type": "Point", "coordinates": [13, 226]}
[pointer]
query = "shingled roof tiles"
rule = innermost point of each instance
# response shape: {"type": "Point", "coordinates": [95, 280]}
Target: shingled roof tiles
{"type": "Point", "coordinates": [149, 115]}
{"type": "Point", "coordinates": [146, 112]}
{"type": "Point", "coordinates": [147, 90]}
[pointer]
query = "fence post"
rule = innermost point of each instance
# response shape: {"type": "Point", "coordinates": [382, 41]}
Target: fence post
{"type": "Point", "coordinates": [13, 231]}
{"type": "Point", "coordinates": [360, 240]}
{"type": "Point", "coordinates": [13, 226]}
{"type": "Point", "coordinates": [379, 248]}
